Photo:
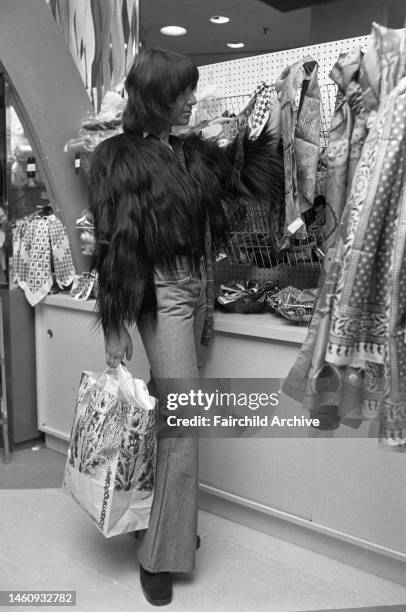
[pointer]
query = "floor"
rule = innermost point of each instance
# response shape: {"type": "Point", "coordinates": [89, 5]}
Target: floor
{"type": "Point", "coordinates": [48, 543]}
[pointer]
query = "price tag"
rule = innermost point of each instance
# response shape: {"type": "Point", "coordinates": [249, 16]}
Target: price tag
{"type": "Point", "coordinates": [295, 225]}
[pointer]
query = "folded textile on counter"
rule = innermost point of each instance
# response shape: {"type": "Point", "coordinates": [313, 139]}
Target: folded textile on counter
{"type": "Point", "coordinates": [293, 304]}
{"type": "Point", "coordinates": [84, 286]}
{"type": "Point", "coordinates": [245, 296]}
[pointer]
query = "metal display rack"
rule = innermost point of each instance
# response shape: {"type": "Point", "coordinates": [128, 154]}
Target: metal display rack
{"type": "Point", "coordinates": [248, 255]}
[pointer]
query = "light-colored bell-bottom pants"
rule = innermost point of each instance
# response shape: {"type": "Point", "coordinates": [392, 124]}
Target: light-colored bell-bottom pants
{"type": "Point", "coordinates": [172, 345]}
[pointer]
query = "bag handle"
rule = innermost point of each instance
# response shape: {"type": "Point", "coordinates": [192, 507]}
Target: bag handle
{"type": "Point", "coordinates": [133, 390]}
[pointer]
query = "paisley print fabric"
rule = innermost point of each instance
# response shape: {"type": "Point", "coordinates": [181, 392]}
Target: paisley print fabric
{"type": "Point", "coordinates": [352, 365]}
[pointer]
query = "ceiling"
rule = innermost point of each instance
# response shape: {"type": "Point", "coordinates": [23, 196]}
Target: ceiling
{"type": "Point", "coordinates": [262, 28]}
{"type": "Point", "coordinates": [291, 5]}
{"type": "Point", "coordinates": [263, 25]}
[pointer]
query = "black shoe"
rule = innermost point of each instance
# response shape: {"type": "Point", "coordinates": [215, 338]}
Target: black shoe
{"type": "Point", "coordinates": [157, 587]}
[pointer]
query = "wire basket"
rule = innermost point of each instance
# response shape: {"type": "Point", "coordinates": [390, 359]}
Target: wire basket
{"type": "Point", "coordinates": [249, 256]}
{"type": "Point", "coordinates": [211, 108]}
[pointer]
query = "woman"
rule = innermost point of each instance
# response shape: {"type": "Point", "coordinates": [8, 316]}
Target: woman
{"type": "Point", "coordinates": [156, 202]}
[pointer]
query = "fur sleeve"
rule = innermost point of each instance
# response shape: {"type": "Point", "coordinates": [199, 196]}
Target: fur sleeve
{"type": "Point", "coordinates": [119, 258]}
{"type": "Point", "coordinates": [260, 165]}
{"type": "Point", "coordinates": [246, 167]}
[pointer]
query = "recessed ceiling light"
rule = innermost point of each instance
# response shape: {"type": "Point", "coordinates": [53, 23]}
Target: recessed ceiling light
{"type": "Point", "coordinates": [235, 45]}
{"type": "Point", "coordinates": [173, 31]}
{"type": "Point", "coordinates": [219, 19]}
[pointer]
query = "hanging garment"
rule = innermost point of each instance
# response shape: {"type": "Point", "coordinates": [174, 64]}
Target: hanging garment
{"type": "Point", "coordinates": [362, 80]}
{"type": "Point", "coordinates": [368, 309]}
{"type": "Point", "coordinates": [383, 65]}
{"type": "Point", "coordinates": [332, 391]}
{"type": "Point", "coordinates": [353, 363]}
{"type": "Point", "coordinates": [299, 97]}
{"type": "Point", "coordinates": [33, 262]}
{"type": "Point", "coordinates": [41, 246]}
{"type": "Point", "coordinates": [279, 242]}
{"type": "Point", "coordinates": [346, 138]}
{"type": "Point", "coordinates": [61, 254]}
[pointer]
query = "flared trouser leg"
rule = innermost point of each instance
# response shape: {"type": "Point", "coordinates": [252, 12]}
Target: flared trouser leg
{"type": "Point", "coordinates": [172, 342]}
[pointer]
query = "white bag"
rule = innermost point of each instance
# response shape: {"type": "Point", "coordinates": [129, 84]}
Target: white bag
{"type": "Point", "coordinates": [111, 459]}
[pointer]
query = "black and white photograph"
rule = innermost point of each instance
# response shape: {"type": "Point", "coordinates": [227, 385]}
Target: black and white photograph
{"type": "Point", "coordinates": [203, 305]}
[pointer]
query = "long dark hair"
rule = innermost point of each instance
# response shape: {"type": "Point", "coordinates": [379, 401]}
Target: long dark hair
{"type": "Point", "coordinates": [153, 83]}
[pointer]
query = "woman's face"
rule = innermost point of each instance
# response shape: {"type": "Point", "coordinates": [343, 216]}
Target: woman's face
{"type": "Point", "coordinates": [181, 109]}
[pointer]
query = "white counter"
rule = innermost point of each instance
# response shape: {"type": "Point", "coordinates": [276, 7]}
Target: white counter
{"type": "Point", "coordinates": [264, 325]}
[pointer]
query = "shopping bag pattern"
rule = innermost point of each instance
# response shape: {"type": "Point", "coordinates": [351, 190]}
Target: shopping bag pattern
{"type": "Point", "coordinates": [111, 458]}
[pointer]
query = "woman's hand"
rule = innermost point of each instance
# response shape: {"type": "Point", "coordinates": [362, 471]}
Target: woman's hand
{"type": "Point", "coordinates": [118, 344]}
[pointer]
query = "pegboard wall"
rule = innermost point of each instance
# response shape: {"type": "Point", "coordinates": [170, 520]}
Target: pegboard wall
{"type": "Point", "coordinates": [300, 276]}
{"type": "Point", "coordinates": [240, 77]}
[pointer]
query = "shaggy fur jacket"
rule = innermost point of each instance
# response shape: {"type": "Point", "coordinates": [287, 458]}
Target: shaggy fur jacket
{"type": "Point", "coordinates": [151, 203]}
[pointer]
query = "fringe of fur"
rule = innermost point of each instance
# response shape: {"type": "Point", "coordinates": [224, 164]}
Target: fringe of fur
{"type": "Point", "coordinates": [250, 168]}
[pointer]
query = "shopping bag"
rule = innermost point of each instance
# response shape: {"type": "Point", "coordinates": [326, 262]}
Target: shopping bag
{"type": "Point", "coordinates": [111, 459]}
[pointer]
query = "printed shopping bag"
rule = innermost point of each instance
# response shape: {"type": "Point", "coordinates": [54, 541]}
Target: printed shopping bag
{"type": "Point", "coordinates": [111, 459]}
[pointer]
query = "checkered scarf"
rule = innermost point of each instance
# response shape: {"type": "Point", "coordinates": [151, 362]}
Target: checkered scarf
{"type": "Point", "coordinates": [40, 246]}
{"type": "Point", "coordinates": [258, 109]}
{"type": "Point", "coordinates": [61, 253]}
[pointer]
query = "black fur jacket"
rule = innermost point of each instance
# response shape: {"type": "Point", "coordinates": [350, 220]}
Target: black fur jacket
{"type": "Point", "coordinates": [148, 207]}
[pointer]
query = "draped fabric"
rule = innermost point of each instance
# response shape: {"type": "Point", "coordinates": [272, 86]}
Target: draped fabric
{"type": "Point", "coordinates": [102, 36]}
{"type": "Point", "coordinates": [32, 258]}
{"type": "Point", "coordinates": [257, 111]}
{"type": "Point", "coordinates": [346, 138]}
{"type": "Point", "coordinates": [352, 365]}
{"type": "Point", "coordinates": [299, 96]}
{"type": "Point", "coordinates": [41, 253]}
